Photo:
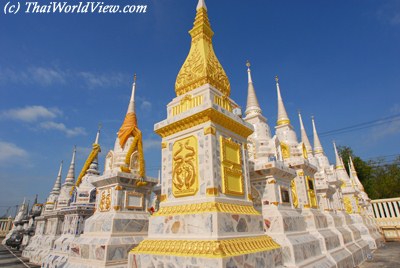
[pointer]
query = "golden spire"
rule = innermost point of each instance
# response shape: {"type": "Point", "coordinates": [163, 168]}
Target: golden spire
{"type": "Point", "coordinates": [201, 65]}
{"type": "Point", "coordinates": [130, 120]}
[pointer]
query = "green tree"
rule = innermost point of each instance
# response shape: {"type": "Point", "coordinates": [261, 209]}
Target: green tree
{"type": "Point", "coordinates": [380, 180]}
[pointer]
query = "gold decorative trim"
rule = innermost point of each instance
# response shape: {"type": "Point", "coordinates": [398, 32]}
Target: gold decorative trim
{"type": "Point", "coordinates": [275, 203]}
{"type": "Point", "coordinates": [117, 208]}
{"type": "Point", "coordinates": [250, 197]}
{"type": "Point", "coordinates": [272, 181]}
{"type": "Point", "coordinates": [283, 122]}
{"type": "Point", "coordinates": [210, 130]}
{"type": "Point", "coordinates": [206, 248]}
{"type": "Point", "coordinates": [163, 145]}
{"type": "Point", "coordinates": [118, 188]}
{"type": "Point", "coordinates": [187, 102]}
{"type": "Point", "coordinates": [223, 102]}
{"type": "Point", "coordinates": [212, 191]}
{"type": "Point", "coordinates": [300, 173]}
{"type": "Point", "coordinates": [163, 197]}
{"type": "Point", "coordinates": [105, 200]}
{"type": "Point", "coordinates": [206, 207]}
{"type": "Point", "coordinates": [205, 116]}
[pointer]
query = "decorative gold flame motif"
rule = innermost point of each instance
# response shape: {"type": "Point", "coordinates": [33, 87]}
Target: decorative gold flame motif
{"type": "Point", "coordinates": [185, 167]}
{"type": "Point", "coordinates": [201, 65]}
{"type": "Point", "coordinates": [105, 200]}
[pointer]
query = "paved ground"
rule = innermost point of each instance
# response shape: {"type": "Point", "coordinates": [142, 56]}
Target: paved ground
{"type": "Point", "coordinates": [385, 257]}
{"type": "Point", "coordinates": [12, 258]}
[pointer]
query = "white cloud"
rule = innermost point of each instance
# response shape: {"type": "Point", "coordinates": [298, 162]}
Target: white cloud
{"type": "Point", "coordinates": [47, 76]}
{"type": "Point", "coordinates": [146, 106]}
{"type": "Point", "coordinates": [389, 13]}
{"type": "Point", "coordinates": [151, 144]}
{"type": "Point", "coordinates": [31, 113]}
{"type": "Point", "coordinates": [70, 132]}
{"type": "Point", "coordinates": [93, 80]}
{"type": "Point", "coordinates": [11, 152]}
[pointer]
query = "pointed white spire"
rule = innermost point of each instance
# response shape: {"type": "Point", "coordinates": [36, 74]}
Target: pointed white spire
{"type": "Point", "coordinates": [159, 176]}
{"type": "Point", "coordinates": [94, 165]}
{"type": "Point", "coordinates": [57, 184]}
{"type": "Point", "coordinates": [253, 107]}
{"type": "Point", "coordinates": [96, 141]}
{"type": "Point", "coordinates": [317, 143]}
{"type": "Point", "coordinates": [201, 4]}
{"type": "Point", "coordinates": [71, 172]}
{"type": "Point", "coordinates": [283, 118]}
{"type": "Point", "coordinates": [131, 106]}
{"type": "Point", "coordinates": [353, 174]}
{"type": "Point", "coordinates": [304, 137]}
{"type": "Point", "coordinates": [339, 161]}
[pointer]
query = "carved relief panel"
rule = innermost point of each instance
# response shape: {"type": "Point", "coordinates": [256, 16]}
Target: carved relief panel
{"type": "Point", "coordinates": [185, 167]}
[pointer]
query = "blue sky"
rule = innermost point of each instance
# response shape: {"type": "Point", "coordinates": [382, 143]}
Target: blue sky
{"type": "Point", "coordinates": [60, 75]}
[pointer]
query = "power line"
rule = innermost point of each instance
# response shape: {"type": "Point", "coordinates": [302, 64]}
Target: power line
{"type": "Point", "coordinates": [360, 126]}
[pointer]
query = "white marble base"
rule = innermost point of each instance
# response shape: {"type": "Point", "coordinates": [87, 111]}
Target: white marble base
{"type": "Point", "coordinates": [355, 234]}
{"type": "Point", "coordinates": [263, 259]}
{"type": "Point", "coordinates": [368, 232]}
{"type": "Point", "coordinates": [317, 225]}
{"type": "Point", "coordinates": [336, 225]}
{"type": "Point", "coordinates": [288, 228]}
{"type": "Point", "coordinates": [107, 239]}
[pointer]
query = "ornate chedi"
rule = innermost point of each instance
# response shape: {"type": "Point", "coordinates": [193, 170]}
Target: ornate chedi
{"type": "Point", "coordinates": [54, 219]}
{"type": "Point", "coordinates": [15, 235]}
{"type": "Point", "coordinates": [206, 216]}
{"type": "Point", "coordinates": [304, 189]}
{"type": "Point", "coordinates": [362, 220]}
{"type": "Point", "coordinates": [350, 201]}
{"type": "Point", "coordinates": [123, 194]}
{"type": "Point", "coordinates": [327, 183]}
{"type": "Point", "coordinates": [30, 226]}
{"type": "Point", "coordinates": [38, 241]}
{"type": "Point", "coordinates": [271, 179]}
{"type": "Point", "coordinates": [81, 207]}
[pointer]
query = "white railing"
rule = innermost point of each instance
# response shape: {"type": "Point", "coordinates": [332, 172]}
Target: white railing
{"type": "Point", "coordinates": [5, 226]}
{"type": "Point", "coordinates": [387, 215]}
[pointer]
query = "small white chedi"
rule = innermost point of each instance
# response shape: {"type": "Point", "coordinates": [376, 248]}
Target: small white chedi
{"type": "Point", "coordinates": [82, 206]}
{"type": "Point", "coordinates": [123, 194]}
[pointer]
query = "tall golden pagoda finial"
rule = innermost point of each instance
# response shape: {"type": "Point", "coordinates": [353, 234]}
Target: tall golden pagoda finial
{"type": "Point", "coordinates": [201, 65]}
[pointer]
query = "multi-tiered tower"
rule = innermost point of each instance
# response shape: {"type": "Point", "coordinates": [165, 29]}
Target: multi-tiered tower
{"type": "Point", "coordinates": [54, 219]}
{"type": "Point", "coordinates": [206, 216]}
{"type": "Point", "coordinates": [123, 193]}
{"type": "Point", "coordinates": [38, 240]}
{"type": "Point", "coordinates": [350, 201]}
{"type": "Point", "coordinates": [362, 220]}
{"type": "Point", "coordinates": [304, 188]}
{"type": "Point", "coordinates": [82, 206]}
{"type": "Point", "coordinates": [271, 179]}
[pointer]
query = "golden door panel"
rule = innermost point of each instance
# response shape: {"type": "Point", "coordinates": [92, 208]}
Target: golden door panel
{"type": "Point", "coordinates": [347, 204]}
{"type": "Point", "coordinates": [231, 167]}
{"type": "Point", "coordinates": [285, 150]}
{"type": "Point", "coordinates": [295, 199]}
{"type": "Point", "coordinates": [311, 192]}
{"type": "Point", "coordinates": [185, 167]}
